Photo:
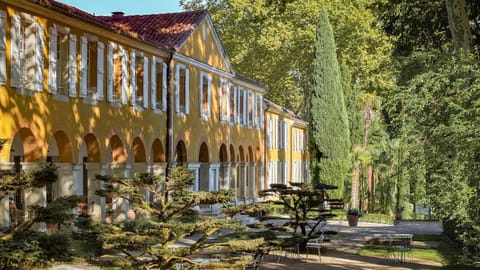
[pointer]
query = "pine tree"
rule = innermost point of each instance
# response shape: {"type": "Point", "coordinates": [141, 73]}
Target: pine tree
{"type": "Point", "coordinates": [329, 131]}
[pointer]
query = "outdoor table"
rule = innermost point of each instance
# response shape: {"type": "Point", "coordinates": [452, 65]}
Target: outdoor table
{"type": "Point", "coordinates": [399, 243]}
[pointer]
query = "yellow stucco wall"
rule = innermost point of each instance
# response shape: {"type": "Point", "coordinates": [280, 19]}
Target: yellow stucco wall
{"type": "Point", "coordinates": [43, 114]}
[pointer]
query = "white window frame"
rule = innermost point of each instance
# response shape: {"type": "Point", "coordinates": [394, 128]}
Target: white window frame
{"type": "Point", "coordinates": [158, 107]}
{"type": "Point", "coordinates": [123, 54]}
{"type": "Point", "coordinates": [53, 60]}
{"type": "Point", "coordinates": [186, 110]}
{"type": "Point", "coordinates": [91, 96]}
{"type": "Point", "coordinates": [205, 115]}
{"type": "Point", "coordinates": [138, 104]}
{"type": "Point", "coordinates": [224, 118]}
{"type": "Point", "coordinates": [233, 118]}
{"type": "Point", "coordinates": [17, 56]}
{"type": "Point", "coordinates": [270, 133]}
{"type": "Point", "coordinates": [3, 47]}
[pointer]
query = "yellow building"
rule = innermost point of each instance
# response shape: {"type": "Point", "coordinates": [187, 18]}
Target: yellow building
{"type": "Point", "coordinates": [287, 158]}
{"type": "Point", "coordinates": [124, 95]}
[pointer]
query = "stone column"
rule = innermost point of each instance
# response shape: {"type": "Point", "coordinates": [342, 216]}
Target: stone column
{"type": "Point", "coordinates": [213, 183]}
{"type": "Point", "coordinates": [35, 197]}
{"type": "Point", "coordinates": [94, 202]}
{"type": "Point", "coordinates": [65, 180]}
{"type": "Point", "coordinates": [252, 180]}
{"type": "Point", "coordinates": [226, 175]}
{"type": "Point", "coordinates": [243, 181]}
{"type": "Point", "coordinates": [4, 216]}
{"type": "Point", "coordinates": [195, 167]}
{"type": "Point", "coordinates": [233, 183]}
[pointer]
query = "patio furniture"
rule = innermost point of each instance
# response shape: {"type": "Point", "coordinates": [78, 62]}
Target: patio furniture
{"type": "Point", "coordinates": [396, 246]}
{"type": "Point", "coordinates": [315, 243]}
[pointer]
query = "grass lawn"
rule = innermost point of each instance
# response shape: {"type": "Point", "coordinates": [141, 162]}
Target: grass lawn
{"type": "Point", "coordinates": [445, 253]}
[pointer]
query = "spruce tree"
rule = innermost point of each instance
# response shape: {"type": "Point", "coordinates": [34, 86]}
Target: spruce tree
{"type": "Point", "coordinates": [329, 132]}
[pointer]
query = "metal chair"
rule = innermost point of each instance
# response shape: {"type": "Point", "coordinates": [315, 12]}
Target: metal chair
{"type": "Point", "coordinates": [315, 243]}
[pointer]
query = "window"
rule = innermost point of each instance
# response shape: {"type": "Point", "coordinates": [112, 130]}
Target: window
{"type": "Point", "coordinates": [159, 85]}
{"type": "Point", "coordinates": [91, 68]}
{"type": "Point", "coordinates": [117, 74]}
{"type": "Point", "coordinates": [259, 110]}
{"type": "Point", "coordinates": [233, 105]}
{"type": "Point", "coordinates": [27, 53]}
{"type": "Point", "coordinates": [182, 93]}
{"type": "Point", "coordinates": [241, 106]}
{"type": "Point", "coordinates": [285, 135]}
{"type": "Point", "coordinates": [250, 109]}
{"type": "Point", "coordinates": [3, 47]}
{"type": "Point", "coordinates": [270, 133]}
{"type": "Point", "coordinates": [205, 96]}
{"type": "Point", "coordinates": [279, 133]}
{"type": "Point", "coordinates": [139, 80]}
{"type": "Point", "coordinates": [59, 66]}
{"type": "Point", "coordinates": [224, 101]}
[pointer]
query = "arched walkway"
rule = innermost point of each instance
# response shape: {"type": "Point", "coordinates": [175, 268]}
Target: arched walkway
{"type": "Point", "coordinates": [138, 150]}
{"type": "Point", "coordinates": [158, 154]}
{"type": "Point", "coordinates": [180, 153]}
{"type": "Point", "coordinates": [204, 176]}
{"type": "Point", "coordinates": [224, 167]}
{"type": "Point", "coordinates": [25, 147]}
{"type": "Point", "coordinates": [117, 149]}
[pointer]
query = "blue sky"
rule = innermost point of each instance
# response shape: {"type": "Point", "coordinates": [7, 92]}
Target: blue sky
{"type": "Point", "coordinates": [105, 7]}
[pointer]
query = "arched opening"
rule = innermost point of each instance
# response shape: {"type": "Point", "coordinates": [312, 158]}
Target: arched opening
{"type": "Point", "coordinates": [233, 170]}
{"type": "Point", "coordinates": [118, 151]}
{"type": "Point", "coordinates": [223, 173]}
{"type": "Point", "coordinates": [250, 179]}
{"type": "Point", "coordinates": [138, 150]}
{"type": "Point", "coordinates": [59, 151]}
{"type": "Point", "coordinates": [258, 154]}
{"type": "Point", "coordinates": [158, 154]}
{"type": "Point", "coordinates": [203, 158]}
{"type": "Point", "coordinates": [250, 154]}
{"type": "Point", "coordinates": [232, 153]}
{"type": "Point", "coordinates": [181, 152]}
{"type": "Point", "coordinates": [25, 147]}
{"type": "Point", "coordinates": [241, 179]}
{"type": "Point", "coordinates": [89, 152]}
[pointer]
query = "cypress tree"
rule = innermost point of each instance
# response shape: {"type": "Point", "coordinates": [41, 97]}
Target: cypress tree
{"type": "Point", "coordinates": [329, 131]}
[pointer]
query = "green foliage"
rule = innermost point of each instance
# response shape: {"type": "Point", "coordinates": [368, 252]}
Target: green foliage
{"type": "Point", "coordinates": [441, 107]}
{"type": "Point", "coordinates": [23, 252]}
{"type": "Point", "coordinates": [274, 43]}
{"type": "Point", "coordinates": [147, 241]}
{"type": "Point", "coordinates": [329, 132]}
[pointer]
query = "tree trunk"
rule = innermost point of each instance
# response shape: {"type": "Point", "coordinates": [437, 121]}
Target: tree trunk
{"type": "Point", "coordinates": [371, 187]}
{"type": "Point", "coordinates": [459, 25]}
{"type": "Point", "coordinates": [355, 187]}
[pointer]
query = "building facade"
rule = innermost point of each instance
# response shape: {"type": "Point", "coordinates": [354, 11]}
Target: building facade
{"type": "Point", "coordinates": [125, 95]}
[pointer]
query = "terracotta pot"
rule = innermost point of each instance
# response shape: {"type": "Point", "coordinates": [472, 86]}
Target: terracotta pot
{"type": "Point", "coordinates": [352, 220]}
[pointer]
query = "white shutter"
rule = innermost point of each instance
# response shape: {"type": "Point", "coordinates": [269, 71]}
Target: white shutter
{"type": "Point", "coordinates": [164, 87]}
{"type": "Point", "coordinates": [262, 113]}
{"type": "Point", "coordinates": [254, 110]}
{"type": "Point", "coordinates": [234, 105]}
{"type": "Point", "coordinates": [16, 37]}
{"type": "Point", "coordinates": [177, 92]}
{"type": "Point", "coordinates": [133, 79]}
{"type": "Point", "coordinates": [209, 97]}
{"type": "Point", "coordinates": [124, 55]}
{"type": "Point", "coordinates": [83, 66]}
{"type": "Point", "coordinates": [52, 60]}
{"type": "Point", "coordinates": [221, 100]}
{"type": "Point", "coordinates": [72, 56]}
{"type": "Point", "coordinates": [110, 72]}
{"type": "Point", "coordinates": [145, 82]}
{"type": "Point", "coordinates": [3, 47]}
{"type": "Point", "coordinates": [285, 137]}
{"type": "Point", "coordinates": [153, 84]}
{"type": "Point", "coordinates": [245, 107]}
{"type": "Point", "coordinates": [187, 91]}
{"type": "Point", "coordinates": [39, 58]}
{"type": "Point", "coordinates": [100, 68]}
{"type": "Point", "coordinates": [200, 90]}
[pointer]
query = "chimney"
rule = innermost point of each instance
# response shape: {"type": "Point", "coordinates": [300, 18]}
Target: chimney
{"type": "Point", "coordinates": [117, 14]}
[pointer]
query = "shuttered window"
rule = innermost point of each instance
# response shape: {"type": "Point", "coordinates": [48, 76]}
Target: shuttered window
{"type": "Point", "coordinates": [3, 47]}
{"type": "Point", "coordinates": [182, 93]}
{"type": "Point", "coordinates": [205, 96]}
{"type": "Point", "coordinates": [27, 53]}
{"type": "Point", "coordinates": [158, 85]}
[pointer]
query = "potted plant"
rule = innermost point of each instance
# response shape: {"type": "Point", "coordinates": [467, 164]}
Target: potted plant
{"type": "Point", "coordinates": [352, 216]}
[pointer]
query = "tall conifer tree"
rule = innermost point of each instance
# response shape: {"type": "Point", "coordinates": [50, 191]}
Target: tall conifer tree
{"type": "Point", "coordinates": [329, 133]}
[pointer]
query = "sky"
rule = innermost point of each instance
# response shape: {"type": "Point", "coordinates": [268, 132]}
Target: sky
{"type": "Point", "coordinates": [129, 7]}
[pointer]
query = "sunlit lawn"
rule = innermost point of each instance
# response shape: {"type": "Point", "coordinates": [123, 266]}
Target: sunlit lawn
{"type": "Point", "coordinates": [445, 253]}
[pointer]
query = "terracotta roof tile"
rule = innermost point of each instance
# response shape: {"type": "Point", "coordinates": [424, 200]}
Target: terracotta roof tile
{"type": "Point", "coordinates": [169, 30]}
